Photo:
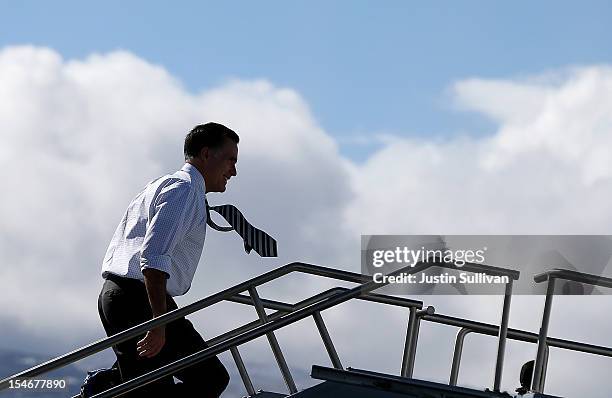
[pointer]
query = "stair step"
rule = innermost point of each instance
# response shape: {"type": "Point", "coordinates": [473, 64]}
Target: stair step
{"type": "Point", "coordinates": [267, 394]}
{"type": "Point", "coordinates": [342, 390]}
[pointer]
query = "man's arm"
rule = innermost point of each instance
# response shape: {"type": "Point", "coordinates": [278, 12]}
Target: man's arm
{"type": "Point", "coordinates": [153, 342]}
{"type": "Point", "coordinates": [168, 222]}
{"type": "Point", "coordinates": [155, 282]}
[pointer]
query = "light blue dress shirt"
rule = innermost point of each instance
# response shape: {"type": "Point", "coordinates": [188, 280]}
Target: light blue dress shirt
{"type": "Point", "coordinates": [163, 228]}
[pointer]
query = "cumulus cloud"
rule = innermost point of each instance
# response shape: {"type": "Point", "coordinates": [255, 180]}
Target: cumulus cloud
{"type": "Point", "coordinates": [81, 137]}
{"type": "Point", "coordinates": [567, 122]}
{"type": "Point", "coordinates": [544, 170]}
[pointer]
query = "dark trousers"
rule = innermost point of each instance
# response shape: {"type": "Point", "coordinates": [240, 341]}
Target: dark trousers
{"type": "Point", "coordinates": [124, 303]}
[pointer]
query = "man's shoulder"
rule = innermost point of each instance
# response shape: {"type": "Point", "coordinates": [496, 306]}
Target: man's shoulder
{"type": "Point", "coordinates": [179, 180]}
{"type": "Point", "coordinates": [173, 184]}
{"type": "Point", "coordinates": [178, 186]}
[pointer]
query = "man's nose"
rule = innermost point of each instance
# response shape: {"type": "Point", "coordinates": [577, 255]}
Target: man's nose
{"type": "Point", "coordinates": [234, 171]}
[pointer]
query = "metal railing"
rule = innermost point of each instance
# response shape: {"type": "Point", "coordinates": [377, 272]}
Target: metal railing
{"type": "Point", "coordinates": [268, 324]}
{"type": "Point", "coordinates": [467, 327]}
{"type": "Point", "coordinates": [427, 314]}
{"type": "Point", "coordinates": [539, 369]}
{"type": "Point", "coordinates": [416, 316]}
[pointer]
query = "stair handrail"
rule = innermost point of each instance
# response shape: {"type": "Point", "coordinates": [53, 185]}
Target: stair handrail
{"type": "Point", "coordinates": [366, 286]}
{"type": "Point", "coordinates": [284, 320]}
{"type": "Point", "coordinates": [254, 333]}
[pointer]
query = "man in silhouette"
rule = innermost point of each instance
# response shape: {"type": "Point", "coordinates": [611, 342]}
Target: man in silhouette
{"type": "Point", "coordinates": [153, 256]}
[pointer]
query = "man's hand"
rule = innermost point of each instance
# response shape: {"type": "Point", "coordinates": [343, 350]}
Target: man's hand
{"type": "Point", "coordinates": [154, 340]}
{"type": "Point", "coordinates": [152, 343]}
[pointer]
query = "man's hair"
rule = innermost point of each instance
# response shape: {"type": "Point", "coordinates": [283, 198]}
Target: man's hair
{"type": "Point", "coordinates": [211, 135]}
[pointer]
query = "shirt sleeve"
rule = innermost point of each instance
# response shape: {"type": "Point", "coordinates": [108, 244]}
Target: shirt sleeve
{"type": "Point", "coordinates": [167, 225]}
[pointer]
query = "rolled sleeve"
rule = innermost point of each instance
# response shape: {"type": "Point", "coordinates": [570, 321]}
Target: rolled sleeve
{"type": "Point", "coordinates": [166, 226]}
{"type": "Point", "coordinates": [160, 263]}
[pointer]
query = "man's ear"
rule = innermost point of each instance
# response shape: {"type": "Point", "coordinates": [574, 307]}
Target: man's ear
{"type": "Point", "coordinates": [205, 153]}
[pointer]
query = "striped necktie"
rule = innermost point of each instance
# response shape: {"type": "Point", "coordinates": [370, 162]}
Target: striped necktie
{"type": "Point", "coordinates": [254, 238]}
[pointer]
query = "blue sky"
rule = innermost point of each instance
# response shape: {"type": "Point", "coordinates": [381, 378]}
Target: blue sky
{"type": "Point", "coordinates": [362, 68]}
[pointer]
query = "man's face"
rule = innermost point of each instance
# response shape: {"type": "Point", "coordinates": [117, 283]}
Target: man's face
{"type": "Point", "coordinates": [220, 165]}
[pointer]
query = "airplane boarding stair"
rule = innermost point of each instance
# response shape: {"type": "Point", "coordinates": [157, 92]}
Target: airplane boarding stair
{"type": "Point", "coordinates": [338, 381]}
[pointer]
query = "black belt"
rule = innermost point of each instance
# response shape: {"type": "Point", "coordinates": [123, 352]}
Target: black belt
{"type": "Point", "coordinates": [123, 280]}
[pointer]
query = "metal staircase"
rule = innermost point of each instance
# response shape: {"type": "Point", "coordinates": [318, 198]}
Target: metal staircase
{"type": "Point", "coordinates": [337, 381]}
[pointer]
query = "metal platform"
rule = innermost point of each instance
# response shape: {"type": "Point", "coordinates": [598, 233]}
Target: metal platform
{"type": "Point", "coordinates": [358, 383]}
{"type": "Point", "coordinates": [401, 386]}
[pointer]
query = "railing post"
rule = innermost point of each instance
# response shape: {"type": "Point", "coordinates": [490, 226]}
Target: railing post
{"type": "Point", "coordinates": [503, 332]}
{"type": "Point", "coordinates": [545, 367]}
{"type": "Point", "coordinates": [276, 350]}
{"type": "Point", "coordinates": [242, 370]}
{"type": "Point", "coordinates": [329, 346]}
{"type": "Point", "coordinates": [413, 335]}
{"type": "Point", "coordinates": [457, 355]}
{"type": "Point", "coordinates": [408, 345]}
{"type": "Point", "coordinates": [537, 381]}
{"type": "Point", "coordinates": [415, 340]}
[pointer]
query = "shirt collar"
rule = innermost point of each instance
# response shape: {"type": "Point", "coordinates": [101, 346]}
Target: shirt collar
{"type": "Point", "coordinates": [195, 175]}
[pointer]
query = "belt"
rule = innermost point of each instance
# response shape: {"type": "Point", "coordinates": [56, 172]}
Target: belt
{"type": "Point", "coordinates": [118, 279]}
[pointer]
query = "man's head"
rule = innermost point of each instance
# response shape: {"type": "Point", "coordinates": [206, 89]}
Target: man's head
{"type": "Point", "coordinates": [213, 149]}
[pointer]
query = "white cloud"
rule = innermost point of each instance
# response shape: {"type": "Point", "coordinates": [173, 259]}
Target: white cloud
{"type": "Point", "coordinates": [565, 122]}
{"type": "Point", "coordinates": [549, 161]}
{"type": "Point", "coordinates": [81, 137]}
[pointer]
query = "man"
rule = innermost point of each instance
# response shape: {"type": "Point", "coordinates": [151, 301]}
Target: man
{"type": "Point", "coordinates": [153, 256]}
